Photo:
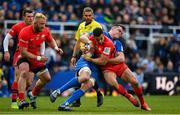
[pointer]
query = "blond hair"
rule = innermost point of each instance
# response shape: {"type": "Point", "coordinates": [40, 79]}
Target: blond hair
{"type": "Point", "coordinates": [39, 16]}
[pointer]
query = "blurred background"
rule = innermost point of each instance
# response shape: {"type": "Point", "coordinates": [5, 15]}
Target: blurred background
{"type": "Point", "coordinates": [151, 41]}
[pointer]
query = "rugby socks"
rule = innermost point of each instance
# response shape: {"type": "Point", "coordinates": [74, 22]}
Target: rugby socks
{"type": "Point", "coordinates": [96, 87]}
{"type": "Point", "coordinates": [21, 97]}
{"type": "Point", "coordinates": [72, 83]}
{"type": "Point", "coordinates": [138, 91]}
{"type": "Point", "coordinates": [36, 90]}
{"type": "Point", "coordinates": [76, 95]}
{"type": "Point", "coordinates": [14, 91]}
{"type": "Point", "coordinates": [123, 91]}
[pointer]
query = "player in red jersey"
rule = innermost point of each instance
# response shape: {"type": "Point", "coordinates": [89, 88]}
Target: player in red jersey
{"type": "Point", "coordinates": [30, 40]}
{"type": "Point", "coordinates": [28, 16]}
{"type": "Point", "coordinates": [105, 50]}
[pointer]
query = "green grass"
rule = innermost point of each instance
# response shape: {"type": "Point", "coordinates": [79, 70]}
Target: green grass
{"type": "Point", "coordinates": [112, 105]}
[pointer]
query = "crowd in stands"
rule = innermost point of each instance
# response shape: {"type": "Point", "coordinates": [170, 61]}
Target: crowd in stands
{"type": "Point", "coordinates": [166, 52]}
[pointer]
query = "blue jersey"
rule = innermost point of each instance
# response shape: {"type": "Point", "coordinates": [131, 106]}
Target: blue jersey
{"type": "Point", "coordinates": [83, 63]}
{"type": "Point", "coordinates": [117, 43]}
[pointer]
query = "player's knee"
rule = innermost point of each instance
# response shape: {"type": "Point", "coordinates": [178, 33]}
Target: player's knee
{"type": "Point", "coordinates": [46, 79]}
{"type": "Point", "coordinates": [24, 67]}
{"type": "Point", "coordinates": [28, 83]}
{"type": "Point", "coordinates": [24, 74]}
{"type": "Point", "coordinates": [84, 78]}
{"type": "Point", "coordinates": [84, 74]}
{"type": "Point", "coordinates": [134, 82]}
{"type": "Point", "coordinates": [86, 85]}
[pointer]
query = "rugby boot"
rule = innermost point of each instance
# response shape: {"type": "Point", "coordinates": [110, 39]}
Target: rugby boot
{"type": "Point", "coordinates": [145, 107]}
{"type": "Point", "coordinates": [23, 104]}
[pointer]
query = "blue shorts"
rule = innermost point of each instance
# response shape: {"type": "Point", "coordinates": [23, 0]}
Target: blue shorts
{"type": "Point", "coordinates": [95, 71]}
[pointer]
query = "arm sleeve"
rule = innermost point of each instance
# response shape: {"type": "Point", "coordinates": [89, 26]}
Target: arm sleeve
{"type": "Point", "coordinates": [42, 49]}
{"type": "Point", "coordinates": [23, 39]}
{"type": "Point", "coordinates": [6, 42]}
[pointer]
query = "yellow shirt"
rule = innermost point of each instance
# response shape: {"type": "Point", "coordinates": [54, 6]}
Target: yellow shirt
{"type": "Point", "coordinates": [86, 29]}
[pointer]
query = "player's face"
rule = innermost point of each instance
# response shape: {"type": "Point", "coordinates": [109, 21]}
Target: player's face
{"type": "Point", "coordinates": [99, 39]}
{"type": "Point", "coordinates": [88, 16]}
{"type": "Point", "coordinates": [40, 24]}
{"type": "Point", "coordinates": [117, 31]}
{"type": "Point", "coordinates": [28, 18]}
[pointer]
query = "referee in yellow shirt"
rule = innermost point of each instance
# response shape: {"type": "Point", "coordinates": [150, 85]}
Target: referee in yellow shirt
{"type": "Point", "coordinates": [86, 27]}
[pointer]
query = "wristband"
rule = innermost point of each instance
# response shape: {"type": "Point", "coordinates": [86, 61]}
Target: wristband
{"type": "Point", "coordinates": [56, 48]}
{"type": "Point", "coordinates": [74, 56]}
{"type": "Point", "coordinates": [38, 58]}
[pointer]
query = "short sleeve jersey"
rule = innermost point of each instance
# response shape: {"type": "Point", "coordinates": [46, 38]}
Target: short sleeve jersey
{"type": "Point", "coordinates": [32, 41]}
{"type": "Point", "coordinates": [83, 28]}
{"type": "Point", "coordinates": [15, 30]}
{"type": "Point", "coordinates": [107, 49]}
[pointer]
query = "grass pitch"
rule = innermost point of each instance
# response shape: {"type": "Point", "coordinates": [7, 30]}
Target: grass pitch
{"type": "Point", "coordinates": [112, 105]}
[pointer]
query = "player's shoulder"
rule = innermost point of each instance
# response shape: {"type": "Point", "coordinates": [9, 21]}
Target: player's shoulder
{"type": "Point", "coordinates": [107, 41]}
{"type": "Point", "coordinates": [46, 30]}
{"type": "Point", "coordinates": [117, 42]}
{"type": "Point", "coordinates": [82, 24]}
{"type": "Point", "coordinates": [19, 24]}
{"type": "Point", "coordinates": [26, 29]}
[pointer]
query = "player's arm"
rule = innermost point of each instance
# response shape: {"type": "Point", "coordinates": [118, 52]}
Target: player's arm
{"type": "Point", "coordinates": [26, 54]}
{"type": "Point", "coordinates": [102, 60]}
{"type": "Point", "coordinates": [76, 48]}
{"type": "Point", "coordinates": [54, 45]}
{"type": "Point", "coordinates": [84, 38]}
{"type": "Point", "coordinates": [29, 55]}
{"type": "Point", "coordinates": [23, 45]}
{"type": "Point", "coordinates": [42, 49]}
{"type": "Point", "coordinates": [5, 46]}
{"type": "Point", "coordinates": [118, 59]}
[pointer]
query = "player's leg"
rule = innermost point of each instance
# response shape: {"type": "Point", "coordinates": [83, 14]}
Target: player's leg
{"type": "Point", "coordinates": [77, 103]}
{"type": "Point", "coordinates": [76, 95]}
{"type": "Point", "coordinates": [129, 77]}
{"type": "Point", "coordinates": [44, 77]}
{"type": "Point", "coordinates": [99, 94]}
{"type": "Point", "coordinates": [76, 81]}
{"type": "Point", "coordinates": [95, 74]}
{"type": "Point", "coordinates": [14, 89]}
{"type": "Point", "coordinates": [23, 70]}
{"type": "Point", "coordinates": [110, 78]}
{"type": "Point", "coordinates": [29, 92]}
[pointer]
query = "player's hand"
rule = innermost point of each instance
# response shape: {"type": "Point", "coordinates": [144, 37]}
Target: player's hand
{"type": "Point", "coordinates": [73, 61]}
{"type": "Point", "coordinates": [6, 56]}
{"type": "Point", "coordinates": [59, 50]}
{"type": "Point", "coordinates": [42, 58]}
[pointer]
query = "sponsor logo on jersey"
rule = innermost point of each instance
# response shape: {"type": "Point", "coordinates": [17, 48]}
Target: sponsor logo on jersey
{"type": "Point", "coordinates": [107, 50]}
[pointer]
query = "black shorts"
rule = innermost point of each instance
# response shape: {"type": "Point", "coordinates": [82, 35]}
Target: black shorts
{"type": "Point", "coordinates": [23, 60]}
{"type": "Point", "coordinates": [35, 71]}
